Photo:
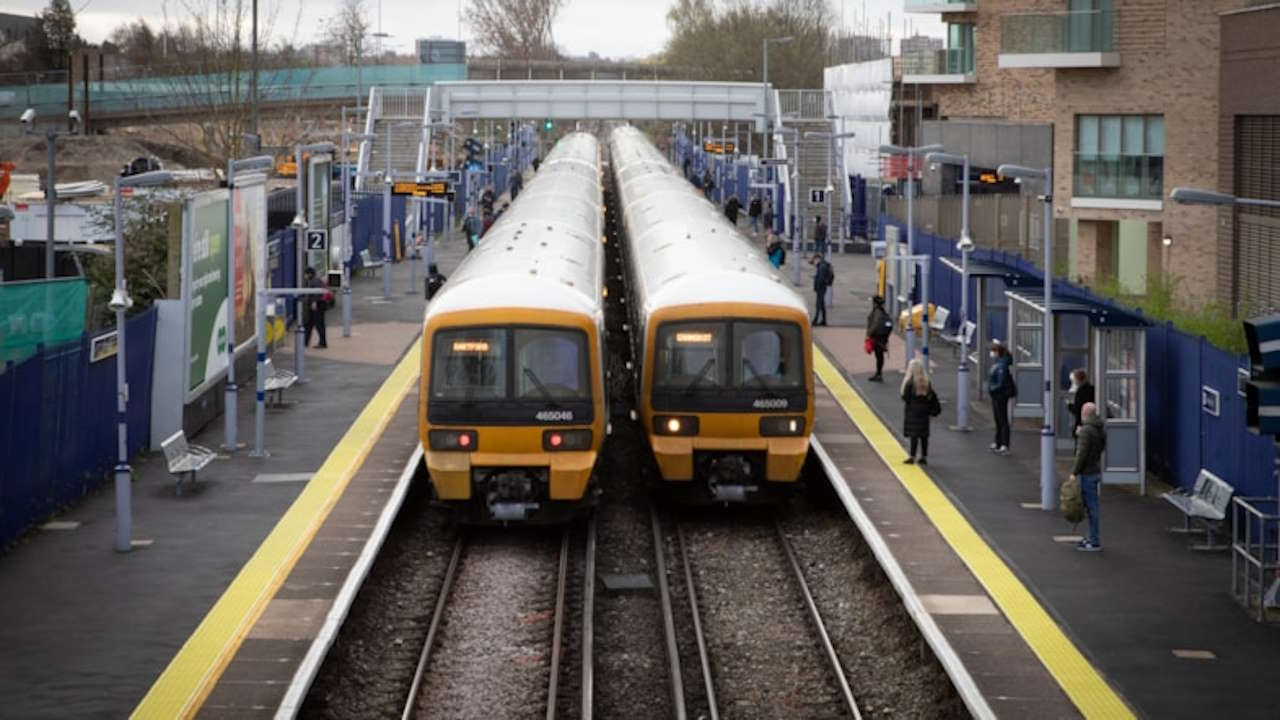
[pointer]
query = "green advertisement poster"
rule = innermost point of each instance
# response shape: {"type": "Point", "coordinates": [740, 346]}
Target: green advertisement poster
{"type": "Point", "coordinates": [205, 286]}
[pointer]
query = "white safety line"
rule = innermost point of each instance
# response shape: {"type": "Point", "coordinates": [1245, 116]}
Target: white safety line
{"type": "Point", "coordinates": [306, 673]}
{"type": "Point", "coordinates": [951, 663]}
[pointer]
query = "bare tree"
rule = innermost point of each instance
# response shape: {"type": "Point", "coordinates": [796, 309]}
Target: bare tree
{"type": "Point", "coordinates": [517, 29]}
{"type": "Point", "coordinates": [722, 39]}
{"type": "Point", "coordinates": [347, 30]}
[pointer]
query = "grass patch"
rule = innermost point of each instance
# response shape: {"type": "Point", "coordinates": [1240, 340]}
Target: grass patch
{"type": "Point", "coordinates": [1212, 321]}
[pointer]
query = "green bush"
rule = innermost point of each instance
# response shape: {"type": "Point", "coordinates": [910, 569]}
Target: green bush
{"type": "Point", "coordinates": [1212, 321]}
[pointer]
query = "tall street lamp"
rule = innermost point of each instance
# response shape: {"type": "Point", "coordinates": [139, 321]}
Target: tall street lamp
{"type": "Point", "coordinates": [51, 191]}
{"type": "Point", "coordinates": [260, 164]}
{"type": "Point", "coordinates": [764, 79]}
{"type": "Point", "coordinates": [1195, 196]}
{"type": "Point", "coordinates": [964, 246]}
{"type": "Point", "coordinates": [911, 153]}
{"type": "Point", "coordinates": [348, 214]}
{"type": "Point", "coordinates": [119, 303]}
{"type": "Point", "coordinates": [1046, 361]}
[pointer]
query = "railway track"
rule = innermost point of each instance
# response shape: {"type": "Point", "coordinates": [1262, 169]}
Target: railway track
{"type": "Point", "coordinates": [429, 680]}
{"type": "Point", "coordinates": [710, 698]}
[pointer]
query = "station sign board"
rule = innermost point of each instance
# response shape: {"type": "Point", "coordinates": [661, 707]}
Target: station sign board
{"type": "Point", "coordinates": [431, 188]}
{"type": "Point", "coordinates": [719, 147]}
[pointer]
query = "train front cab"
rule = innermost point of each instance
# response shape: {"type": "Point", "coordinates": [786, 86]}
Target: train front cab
{"type": "Point", "coordinates": [512, 413]}
{"type": "Point", "coordinates": [728, 400]}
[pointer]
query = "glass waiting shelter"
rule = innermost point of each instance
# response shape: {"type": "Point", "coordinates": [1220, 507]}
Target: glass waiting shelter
{"type": "Point", "coordinates": [991, 280]}
{"type": "Point", "coordinates": [1108, 344]}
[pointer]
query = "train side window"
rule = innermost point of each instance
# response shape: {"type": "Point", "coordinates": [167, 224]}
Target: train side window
{"type": "Point", "coordinates": [469, 364]}
{"type": "Point", "coordinates": [767, 354]}
{"type": "Point", "coordinates": [553, 362]}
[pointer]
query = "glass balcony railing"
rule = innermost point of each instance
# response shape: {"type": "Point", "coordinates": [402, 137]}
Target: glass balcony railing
{"type": "Point", "coordinates": [1089, 31]}
{"type": "Point", "coordinates": [949, 61]}
{"type": "Point", "coordinates": [1138, 177]}
{"type": "Point", "coordinates": [940, 5]}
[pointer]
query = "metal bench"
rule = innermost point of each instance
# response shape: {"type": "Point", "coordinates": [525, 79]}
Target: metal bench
{"type": "Point", "coordinates": [1207, 502]}
{"type": "Point", "coordinates": [368, 264]}
{"type": "Point", "coordinates": [964, 334]}
{"type": "Point", "coordinates": [184, 460]}
{"type": "Point", "coordinates": [276, 381]}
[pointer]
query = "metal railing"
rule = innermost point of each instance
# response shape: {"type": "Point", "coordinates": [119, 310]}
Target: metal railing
{"type": "Point", "coordinates": [1057, 32]}
{"type": "Point", "coordinates": [946, 61]}
{"type": "Point", "coordinates": [915, 4]}
{"type": "Point", "coordinates": [803, 104]}
{"type": "Point", "coordinates": [1255, 554]}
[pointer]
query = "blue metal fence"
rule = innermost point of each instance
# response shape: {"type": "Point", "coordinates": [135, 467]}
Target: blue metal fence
{"type": "Point", "coordinates": [1181, 437]}
{"type": "Point", "coordinates": [58, 424]}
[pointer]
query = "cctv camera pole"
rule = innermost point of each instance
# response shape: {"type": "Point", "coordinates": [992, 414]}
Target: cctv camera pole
{"type": "Point", "coordinates": [966, 244]}
{"type": "Point", "coordinates": [123, 472]}
{"type": "Point", "coordinates": [51, 200]}
{"type": "Point", "coordinates": [300, 242]}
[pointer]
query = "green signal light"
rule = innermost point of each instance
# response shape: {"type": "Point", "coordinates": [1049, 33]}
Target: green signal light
{"type": "Point", "coordinates": [548, 124]}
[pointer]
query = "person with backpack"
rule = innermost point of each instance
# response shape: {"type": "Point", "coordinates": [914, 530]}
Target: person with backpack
{"type": "Point", "coordinates": [823, 278]}
{"type": "Point", "coordinates": [920, 404]}
{"type": "Point", "coordinates": [753, 212]}
{"type": "Point", "coordinates": [1087, 470]}
{"type": "Point", "coordinates": [1002, 388]}
{"type": "Point", "coordinates": [879, 328]}
{"type": "Point", "coordinates": [315, 307]}
{"type": "Point", "coordinates": [774, 250]}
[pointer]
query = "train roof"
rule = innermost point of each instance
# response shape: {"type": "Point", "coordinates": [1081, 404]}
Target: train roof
{"type": "Point", "coordinates": [684, 251]}
{"type": "Point", "coordinates": [545, 252]}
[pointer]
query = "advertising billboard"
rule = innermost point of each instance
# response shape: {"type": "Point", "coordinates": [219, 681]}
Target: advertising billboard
{"type": "Point", "coordinates": [249, 215]}
{"type": "Point", "coordinates": [204, 287]}
{"type": "Point", "coordinates": [319, 185]}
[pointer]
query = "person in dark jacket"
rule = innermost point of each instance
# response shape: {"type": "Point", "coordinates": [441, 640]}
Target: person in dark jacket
{"type": "Point", "coordinates": [1001, 388]}
{"type": "Point", "coordinates": [754, 209]}
{"type": "Point", "coordinates": [1090, 443]}
{"type": "Point", "coordinates": [823, 278]}
{"type": "Point", "coordinates": [920, 403]}
{"type": "Point", "coordinates": [536, 162]}
{"type": "Point", "coordinates": [708, 183]}
{"type": "Point", "coordinates": [731, 208]}
{"type": "Point", "coordinates": [773, 248]}
{"type": "Point", "coordinates": [1081, 392]}
{"type": "Point", "coordinates": [435, 280]}
{"type": "Point", "coordinates": [517, 184]}
{"type": "Point", "coordinates": [315, 307]}
{"type": "Point", "coordinates": [879, 328]}
{"type": "Point", "coordinates": [820, 236]}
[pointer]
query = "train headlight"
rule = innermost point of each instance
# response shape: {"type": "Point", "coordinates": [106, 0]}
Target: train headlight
{"type": "Point", "coordinates": [456, 440]}
{"type": "Point", "coordinates": [675, 425]}
{"type": "Point", "coordinates": [557, 440]}
{"type": "Point", "coordinates": [782, 425]}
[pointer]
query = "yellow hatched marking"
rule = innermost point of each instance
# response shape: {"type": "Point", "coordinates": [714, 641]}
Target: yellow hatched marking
{"type": "Point", "coordinates": [182, 688]}
{"type": "Point", "coordinates": [1064, 661]}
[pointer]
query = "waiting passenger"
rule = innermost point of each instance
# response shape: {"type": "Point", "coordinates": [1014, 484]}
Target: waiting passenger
{"type": "Point", "coordinates": [1081, 392]}
{"type": "Point", "coordinates": [753, 212]}
{"type": "Point", "coordinates": [731, 208]}
{"type": "Point", "coordinates": [823, 278]}
{"type": "Point", "coordinates": [879, 328]}
{"type": "Point", "coordinates": [1002, 388]}
{"type": "Point", "coordinates": [820, 236]}
{"type": "Point", "coordinates": [435, 280]}
{"type": "Point", "coordinates": [920, 403]}
{"type": "Point", "coordinates": [315, 308]}
{"type": "Point", "coordinates": [774, 250]}
{"type": "Point", "coordinates": [708, 183]}
{"type": "Point", "coordinates": [1091, 441]}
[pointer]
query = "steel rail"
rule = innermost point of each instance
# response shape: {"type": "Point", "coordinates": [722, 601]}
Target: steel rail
{"type": "Point", "coordinates": [562, 575]}
{"type": "Point", "coordinates": [668, 622]}
{"type": "Point", "coordinates": [851, 704]}
{"type": "Point", "coordinates": [446, 588]}
{"type": "Point", "coordinates": [697, 627]}
{"type": "Point", "coordinates": [588, 621]}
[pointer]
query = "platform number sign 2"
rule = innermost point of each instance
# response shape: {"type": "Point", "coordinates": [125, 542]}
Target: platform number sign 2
{"type": "Point", "coordinates": [317, 240]}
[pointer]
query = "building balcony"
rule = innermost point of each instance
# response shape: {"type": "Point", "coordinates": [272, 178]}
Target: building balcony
{"type": "Point", "coordinates": [1058, 40]}
{"type": "Point", "coordinates": [1119, 182]}
{"type": "Point", "coordinates": [951, 66]}
{"type": "Point", "coordinates": [941, 6]}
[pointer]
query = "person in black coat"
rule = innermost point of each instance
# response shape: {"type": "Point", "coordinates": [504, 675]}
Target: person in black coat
{"type": "Point", "coordinates": [879, 328]}
{"type": "Point", "coordinates": [1081, 393]}
{"type": "Point", "coordinates": [920, 404]}
{"type": "Point", "coordinates": [823, 277]}
{"type": "Point", "coordinates": [731, 208]}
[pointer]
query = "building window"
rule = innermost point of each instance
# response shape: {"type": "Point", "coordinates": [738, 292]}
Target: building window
{"type": "Point", "coordinates": [1119, 156]}
{"type": "Point", "coordinates": [960, 49]}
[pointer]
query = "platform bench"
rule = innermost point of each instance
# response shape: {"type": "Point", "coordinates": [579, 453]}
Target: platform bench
{"type": "Point", "coordinates": [368, 264]}
{"type": "Point", "coordinates": [276, 381]}
{"type": "Point", "coordinates": [1207, 502]}
{"type": "Point", "coordinates": [963, 335]}
{"type": "Point", "coordinates": [184, 460]}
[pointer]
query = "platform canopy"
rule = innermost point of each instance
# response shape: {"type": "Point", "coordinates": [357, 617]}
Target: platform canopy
{"type": "Point", "coordinates": [1098, 313]}
{"type": "Point", "coordinates": [982, 268]}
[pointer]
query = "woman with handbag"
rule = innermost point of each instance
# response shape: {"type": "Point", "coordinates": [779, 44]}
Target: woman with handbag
{"type": "Point", "coordinates": [920, 404]}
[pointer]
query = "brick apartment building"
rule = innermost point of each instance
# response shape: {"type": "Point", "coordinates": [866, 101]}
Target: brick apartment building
{"type": "Point", "coordinates": [1132, 98]}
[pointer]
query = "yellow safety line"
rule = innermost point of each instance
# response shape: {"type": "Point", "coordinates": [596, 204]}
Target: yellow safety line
{"type": "Point", "coordinates": [182, 688]}
{"type": "Point", "coordinates": [1078, 678]}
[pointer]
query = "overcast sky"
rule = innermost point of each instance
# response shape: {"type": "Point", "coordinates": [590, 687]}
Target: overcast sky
{"type": "Point", "coordinates": [612, 28]}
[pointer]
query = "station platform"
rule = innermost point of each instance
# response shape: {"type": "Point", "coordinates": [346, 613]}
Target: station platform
{"type": "Point", "coordinates": [238, 569]}
{"type": "Point", "coordinates": [1147, 627]}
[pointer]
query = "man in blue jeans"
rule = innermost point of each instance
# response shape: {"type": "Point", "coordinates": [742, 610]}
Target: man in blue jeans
{"type": "Point", "coordinates": [1091, 441]}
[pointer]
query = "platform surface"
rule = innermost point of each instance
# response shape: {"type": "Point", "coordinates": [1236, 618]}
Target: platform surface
{"type": "Point", "coordinates": [1153, 618]}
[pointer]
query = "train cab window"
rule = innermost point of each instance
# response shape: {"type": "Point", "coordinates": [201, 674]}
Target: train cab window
{"type": "Point", "coordinates": [767, 355]}
{"type": "Point", "coordinates": [470, 364]}
{"type": "Point", "coordinates": [551, 365]}
{"type": "Point", "coordinates": [691, 356]}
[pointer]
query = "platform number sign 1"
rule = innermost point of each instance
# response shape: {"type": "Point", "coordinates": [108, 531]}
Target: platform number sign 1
{"type": "Point", "coordinates": [817, 196]}
{"type": "Point", "coordinates": [317, 240]}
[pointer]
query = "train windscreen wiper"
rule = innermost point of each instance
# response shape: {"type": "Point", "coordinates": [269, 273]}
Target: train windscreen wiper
{"type": "Point", "coordinates": [755, 375]}
{"type": "Point", "coordinates": [542, 389]}
{"type": "Point", "coordinates": [701, 374]}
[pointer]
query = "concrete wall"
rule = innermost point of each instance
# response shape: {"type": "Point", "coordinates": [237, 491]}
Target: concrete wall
{"type": "Point", "coordinates": [990, 143]}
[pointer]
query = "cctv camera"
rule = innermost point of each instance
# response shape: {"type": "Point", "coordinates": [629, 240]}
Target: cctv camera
{"type": "Point", "coordinates": [74, 115]}
{"type": "Point", "coordinates": [28, 116]}
{"type": "Point", "coordinates": [120, 300]}
{"type": "Point", "coordinates": [966, 243]}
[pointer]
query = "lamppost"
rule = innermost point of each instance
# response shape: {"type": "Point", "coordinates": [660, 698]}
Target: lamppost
{"type": "Point", "coordinates": [119, 303]}
{"type": "Point", "coordinates": [764, 80]}
{"type": "Point", "coordinates": [911, 153]}
{"type": "Point", "coordinates": [262, 164]}
{"type": "Point", "coordinates": [964, 246]}
{"type": "Point", "coordinates": [51, 191]}
{"type": "Point", "coordinates": [831, 138]}
{"type": "Point", "coordinates": [1047, 364]}
{"type": "Point", "coordinates": [300, 224]}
